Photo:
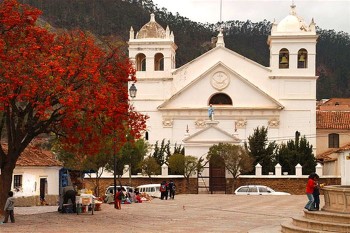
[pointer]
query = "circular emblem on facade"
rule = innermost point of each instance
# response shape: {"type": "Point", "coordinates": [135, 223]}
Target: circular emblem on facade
{"type": "Point", "coordinates": [220, 81]}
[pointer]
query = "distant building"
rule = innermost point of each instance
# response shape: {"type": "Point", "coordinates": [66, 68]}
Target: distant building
{"type": "Point", "coordinates": [333, 137]}
{"type": "Point", "coordinates": [36, 176]}
{"type": "Point", "coordinates": [244, 94]}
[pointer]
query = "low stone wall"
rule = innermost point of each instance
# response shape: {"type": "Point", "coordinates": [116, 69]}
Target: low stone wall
{"type": "Point", "coordinates": [182, 186]}
{"type": "Point", "coordinates": [51, 200]}
{"type": "Point", "coordinates": [292, 185]}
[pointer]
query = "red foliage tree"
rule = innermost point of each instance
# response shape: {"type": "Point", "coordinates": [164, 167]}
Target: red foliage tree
{"type": "Point", "coordinates": [60, 83]}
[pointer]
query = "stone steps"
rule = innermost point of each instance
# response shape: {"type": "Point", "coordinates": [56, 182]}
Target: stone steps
{"type": "Point", "coordinates": [290, 228]}
{"type": "Point", "coordinates": [326, 216]}
{"type": "Point", "coordinates": [318, 221]}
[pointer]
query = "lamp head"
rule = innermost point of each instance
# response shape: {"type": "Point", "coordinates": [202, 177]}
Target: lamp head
{"type": "Point", "coordinates": [132, 91]}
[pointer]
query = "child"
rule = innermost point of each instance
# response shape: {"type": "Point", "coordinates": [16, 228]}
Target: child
{"type": "Point", "coordinates": [9, 206]}
{"type": "Point", "coordinates": [316, 194]}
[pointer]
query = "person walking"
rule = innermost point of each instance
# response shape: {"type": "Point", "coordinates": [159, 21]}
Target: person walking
{"type": "Point", "coordinates": [118, 199]}
{"type": "Point", "coordinates": [163, 190]}
{"type": "Point", "coordinates": [310, 186]}
{"type": "Point", "coordinates": [9, 208]}
{"type": "Point", "coordinates": [172, 188]}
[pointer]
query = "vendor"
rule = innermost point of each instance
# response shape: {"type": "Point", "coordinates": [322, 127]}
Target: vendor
{"type": "Point", "coordinates": [110, 197]}
{"type": "Point", "coordinates": [69, 193]}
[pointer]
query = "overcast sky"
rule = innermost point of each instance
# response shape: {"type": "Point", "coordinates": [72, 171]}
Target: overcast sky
{"type": "Point", "coordinates": [328, 14]}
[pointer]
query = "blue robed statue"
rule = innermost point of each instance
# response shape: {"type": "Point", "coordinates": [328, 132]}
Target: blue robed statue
{"type": "Point", "coordinates": [211, 112]}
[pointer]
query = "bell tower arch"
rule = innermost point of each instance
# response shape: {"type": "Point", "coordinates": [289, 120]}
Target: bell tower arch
{"type": "Point", "coordinates": [293, 46]}
{"type": "Point", "coordinates": [152, 50]}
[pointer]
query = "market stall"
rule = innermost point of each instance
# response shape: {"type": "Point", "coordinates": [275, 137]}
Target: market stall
{"type": "Point", "coordinates": [85, 203]}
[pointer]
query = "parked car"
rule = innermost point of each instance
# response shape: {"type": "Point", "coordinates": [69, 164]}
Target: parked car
{"type": "Point", "coordinates": [150, 189]}
{"type": "Point", "coordinates": [257, 190]}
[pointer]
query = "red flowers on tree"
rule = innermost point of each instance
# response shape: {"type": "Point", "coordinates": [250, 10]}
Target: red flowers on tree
{"type": "Point", "coordinates": [62, 83]}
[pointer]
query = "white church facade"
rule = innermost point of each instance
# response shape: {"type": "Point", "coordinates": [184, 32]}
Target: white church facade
{"type": "Point", "coordinates": [244, 94]}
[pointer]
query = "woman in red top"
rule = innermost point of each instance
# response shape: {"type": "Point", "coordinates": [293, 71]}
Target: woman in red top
{"type": "Point", "coordinates": [118, 199]}
{"type": "Point", "coordinates": [311, 183]}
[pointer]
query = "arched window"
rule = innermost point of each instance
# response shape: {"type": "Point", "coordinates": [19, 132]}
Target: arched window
{"type": "Point", "coordinates": [159, 62]}
{"type": "Point", "coordinates": [220, 99]}
{"type": "Point", "coordinates": [333, 140]}
{"type": "Point", "coordinates": [302, 58]}
{"type": "Point", "coordinates": [141, 62]}
{"type": "Point", "coordinates": [284, 59]}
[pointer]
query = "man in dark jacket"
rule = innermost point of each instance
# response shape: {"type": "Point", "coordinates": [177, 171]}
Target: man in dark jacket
{"type": "Point", "coordinates": [69, 194]}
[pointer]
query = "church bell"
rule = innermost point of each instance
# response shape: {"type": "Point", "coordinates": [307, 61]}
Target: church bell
{"type": "Point", "coordinates": [284, 60]}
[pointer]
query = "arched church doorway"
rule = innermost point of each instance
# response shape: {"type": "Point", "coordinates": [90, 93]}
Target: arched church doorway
{"type": "Point", "coordinates": [217, 178]}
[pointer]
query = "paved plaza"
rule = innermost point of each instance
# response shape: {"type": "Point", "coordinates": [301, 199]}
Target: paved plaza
{"type": "Point", "coordinates": [187, 213]}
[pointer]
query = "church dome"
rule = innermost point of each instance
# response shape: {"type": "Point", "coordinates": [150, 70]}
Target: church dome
{"type": "Point", "coordinates": [292, 23]}
{"type": "Point", "coordinates": [152, 29]}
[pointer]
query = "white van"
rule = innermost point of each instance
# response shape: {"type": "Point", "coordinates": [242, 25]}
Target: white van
{"type": "Point", "coordinates": [150, 189]}
{"type": "Point", "coordinates": [110, 189]}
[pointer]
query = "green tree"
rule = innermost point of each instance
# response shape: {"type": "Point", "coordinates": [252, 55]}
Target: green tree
{"type": "Point", "coordinates": [178, 149]}
{"type": "Point", "coordinates": [141, 148]}
{"type": "Point", "coordinates": [296, 151]}
{"type": "Point", "coordinates": [190, 167]}
{"type": "Point", "coordinates": [184, 165]}
{"type": "Point", "coordinates": [150, 167]}
{"type": "Point", "coordinates": [162, 153]}
{"type": "Point", "coordinates": [263, 151]}
{"type": "Point", "coordinates": [236, 159]}
{"type": "Point", "coordinates": [177, 164]}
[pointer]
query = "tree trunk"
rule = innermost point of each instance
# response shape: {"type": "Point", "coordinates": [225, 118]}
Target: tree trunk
{"type": "Point", "coordinates": [5, 183]}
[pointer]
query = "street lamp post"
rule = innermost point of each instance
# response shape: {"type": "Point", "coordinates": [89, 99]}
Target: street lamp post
{"type": "Point", "coordinates": [115, 173]}
{"type": "Point", "coordinates": [132, 93]}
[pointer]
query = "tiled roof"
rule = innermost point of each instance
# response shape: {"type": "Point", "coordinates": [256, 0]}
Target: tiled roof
{"type": "Point", "coordinates": [333, 119]}
{"type": "Point", "coordinates": [340, 101]}
{"type": "Point", "coordinates": [325, 155]}
{"type": "Point", "coordinates": [33, 156]}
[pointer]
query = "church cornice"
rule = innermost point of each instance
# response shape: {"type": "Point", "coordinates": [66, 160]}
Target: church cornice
{"type": "Point", "coordinates": [154, 79]}
{"type": "Point", "coordinates": [201, 114]}
{"type": "Point", "coordinates": [293, 77]}
{"type": "Point", "coordinates": [222, 108]}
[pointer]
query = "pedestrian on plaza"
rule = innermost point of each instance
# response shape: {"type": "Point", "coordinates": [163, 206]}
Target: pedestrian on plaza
{"type": "Point", "coordinates": [310, 186]}
{"type": "Point", "coordinates": [109, 197]}
{"type": "Point", "coordinates": [9, 208]}
{"type": "Point", "coordinates": [132, 195]}
{"type": "Point", "coordinates": [118, 199]}
{"type": "Point", "coordinates": [316, 194]}
{"type": "Point", "coordinates": [163, 190]}
{"type": "Point", "coordinates": [138, 197]}
{"type": "Point", "coordinates": [172, 188]}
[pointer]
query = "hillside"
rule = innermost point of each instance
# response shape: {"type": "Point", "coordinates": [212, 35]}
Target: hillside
{"type": "Point", "coordinates": [110, 20]}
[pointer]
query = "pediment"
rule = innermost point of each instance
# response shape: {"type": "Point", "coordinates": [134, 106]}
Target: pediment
{"type": "Point", "coordinates": [211, 134]}
{"type": "Point", "coordinates": [244, 94]}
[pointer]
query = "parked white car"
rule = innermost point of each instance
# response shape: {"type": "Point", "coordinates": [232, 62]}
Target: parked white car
{"type": "Point", "coordinates": [257, 190]}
